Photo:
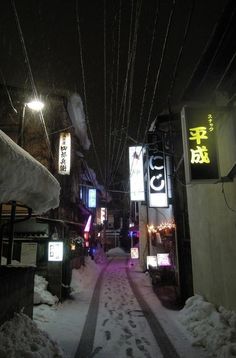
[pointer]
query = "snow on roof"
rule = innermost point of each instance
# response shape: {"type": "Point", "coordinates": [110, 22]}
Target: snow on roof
{"type": "Point", "coordinates": [24, 179]}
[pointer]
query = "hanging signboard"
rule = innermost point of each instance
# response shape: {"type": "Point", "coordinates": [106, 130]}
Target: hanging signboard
{"type": "Point", "coordinates": [64, 153]}
{"type": "Point", "coordinates": [103, 216]}
{"type": "Point", "coordinates": [199, 141]}
{"type": "Point", "coordinates": [136, 173]}
{"type": "Point", "coordinates": [157, 181]}
{"type": "Point", "coordinates": [92, 198]}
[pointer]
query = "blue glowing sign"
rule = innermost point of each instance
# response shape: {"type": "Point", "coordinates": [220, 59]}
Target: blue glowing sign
{"type": "Point", "coordinates": [92, 198]}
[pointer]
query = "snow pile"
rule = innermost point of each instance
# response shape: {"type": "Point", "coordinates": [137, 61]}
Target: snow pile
{"type": "Point", "coordinates": [13, 262]}
{"type": "Point", "coordinates": [41, 295]}
{"type": "Point", "coordinates": [24, 179]}
{"type": "Point", "coordinates": [85, 276]}
{"type": "Point", "coordinates": [117, 251]}
{"type": "Point", "coordinates": [213, 329]}
{"type": "Point", "coordinates": [76, 112]}
{"type": "Point", "coordinates": [20, 337]}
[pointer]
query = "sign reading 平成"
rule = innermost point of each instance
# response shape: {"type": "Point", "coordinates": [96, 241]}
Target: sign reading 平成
{"type": "Point", "coordinates": [199, 139]}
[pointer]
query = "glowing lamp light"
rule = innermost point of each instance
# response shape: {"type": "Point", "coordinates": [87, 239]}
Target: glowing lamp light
{"type": "Point", "coordinates": [72, 247]}
{"type": "Point", "coordinates": [169, 225]}
{"type": "Point", "coordinates": [35, 105]}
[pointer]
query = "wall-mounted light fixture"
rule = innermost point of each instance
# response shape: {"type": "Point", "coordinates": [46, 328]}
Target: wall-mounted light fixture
{"type": "Point", "coordinates": [35, 105]}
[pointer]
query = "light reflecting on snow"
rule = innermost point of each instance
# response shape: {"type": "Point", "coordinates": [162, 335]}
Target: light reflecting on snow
{"type": "Point", "coordinates": [120, 320]}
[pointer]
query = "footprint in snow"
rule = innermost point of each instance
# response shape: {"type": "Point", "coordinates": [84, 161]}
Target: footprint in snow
{"type": "Point", "coordinates": [96, 350]}
{"type": "Point", "coordinates": [145, 341]}
{"type": "Point", "coordinates": [129, 352]}
{"type": "Point", "coordinates": [120, 316]}
{"type": "Point", "coordinates": [139, 345]}
{"type": "Point", "coordinates": [132, 324]}
{"type": "Point", "coordinates": [105, 321]}
{"type": "Point", "coordinates": [108, 335]}
{"type": "Point", "coordinates": [128, 333]}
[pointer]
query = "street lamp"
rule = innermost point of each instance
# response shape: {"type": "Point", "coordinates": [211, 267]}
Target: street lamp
{"type": "Point", "coordinates": [34, 105]}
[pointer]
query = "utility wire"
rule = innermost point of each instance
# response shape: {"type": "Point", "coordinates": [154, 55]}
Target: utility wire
{"type": "Point", "coordinates": [160, 66]}
{"type": "Point", "coordinates": [118, 60]}
{"type": "Point", "coordinates": [148, 69]}
{"type": "Point", "coordinates": [216, 50]}
{"type": "Point", "coordinates": [186, 32]}
{"type": "Point", "coordinates": [225, 71]}
{"type": "Point", "coordinates": [132, 62]}
{"type": "Point", "coordinates": [8, 92]}
{"type": "Point", "coordinates": [105, 89]}
{"type": "Point", "coordinates": [175, 71]}
{"type": "Point", "coordinates": [111, 112]}
{"type": "Point", "coordinates": [200, 59]}
{"type": "Point", "coordinates": [84, 89]}
{"type": "Point", "coordinates": [159, 69]}
{"type": "Point", "coordinates": [112, 151]}
{"type": "Point", "coordinates": [30, 73]}
{"type": "Point", "coordinates": [138, 11]}
{"type": "Point", "coordinates": [225, 199]}
{"type": "Point", "coordinates": [124, 94]}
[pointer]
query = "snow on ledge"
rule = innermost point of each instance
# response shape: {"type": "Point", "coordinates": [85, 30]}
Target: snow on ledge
{"type": "Point", "coordinates": [24, 179]}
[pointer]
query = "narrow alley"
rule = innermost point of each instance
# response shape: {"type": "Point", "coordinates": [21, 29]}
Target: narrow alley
{"type": "Point", "coordinates": [125, 323]}
{"type": "Point", "coordinates": [114, 311]}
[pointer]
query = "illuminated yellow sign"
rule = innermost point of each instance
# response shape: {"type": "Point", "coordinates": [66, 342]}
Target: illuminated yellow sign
{"type": "Point", "coordinates": [198, 125]}
{"type": "Point", "coordinates": [200, 154]}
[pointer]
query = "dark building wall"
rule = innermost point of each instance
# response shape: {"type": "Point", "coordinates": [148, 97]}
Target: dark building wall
{"type": "Point", "coordinates": [17, 291]}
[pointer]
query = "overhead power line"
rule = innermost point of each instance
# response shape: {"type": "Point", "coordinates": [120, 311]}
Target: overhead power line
{"type": "Point", "coordinates": [85, 96]}
{"type": "Point", "coordinates": [30, 73]}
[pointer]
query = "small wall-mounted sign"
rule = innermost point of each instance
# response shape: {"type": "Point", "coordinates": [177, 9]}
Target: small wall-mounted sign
{"type": "Point", "coordinates": [151, 261]}
{"type": "Point", "coordinates": [134, 253]}
{"type": "Point", "coordinates": [55, 251]}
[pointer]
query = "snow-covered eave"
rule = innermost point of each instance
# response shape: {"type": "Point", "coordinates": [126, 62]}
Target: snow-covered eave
{"type": "Point", "coordinates": [23, 179]}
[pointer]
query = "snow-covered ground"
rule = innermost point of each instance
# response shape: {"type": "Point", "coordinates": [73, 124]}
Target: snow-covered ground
{"type": "Point", "coordinates": [198, 330]}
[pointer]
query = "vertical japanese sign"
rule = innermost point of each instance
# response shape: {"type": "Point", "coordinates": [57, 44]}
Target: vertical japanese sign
{"type": "Point", "coordinates": [199, 140]}
{"type": "Point", "coordinates": [103, 216]}
{"type": "Point", "coordinates": [157, 181]}
{"type": "Point", "coordinates": [92, 198]}
{"type": "Point", "coordinates": [136, 173]}
{"type": "Point", "coordinates": [64, 153]}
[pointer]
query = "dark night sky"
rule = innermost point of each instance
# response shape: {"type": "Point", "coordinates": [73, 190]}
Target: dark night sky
{"type": "Point", "coordinates": [50, 33]}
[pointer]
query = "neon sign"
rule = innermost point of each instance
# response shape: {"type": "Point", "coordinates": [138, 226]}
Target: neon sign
{"type": "Point", "coordinates": [200, 152]}
{"type": "Point", "coordinates": [92, 198]}
{"type": "Point", "coordinates": [157, 179]}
